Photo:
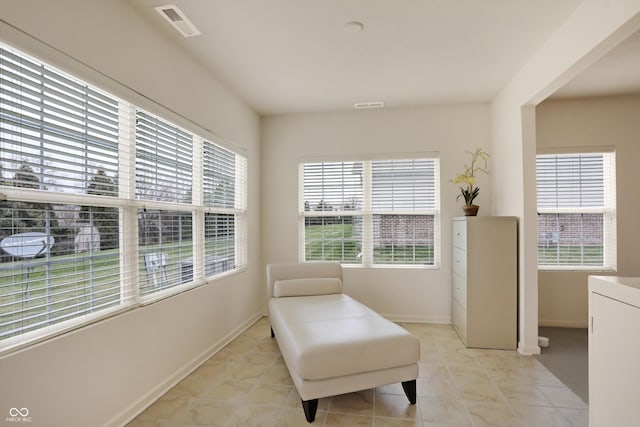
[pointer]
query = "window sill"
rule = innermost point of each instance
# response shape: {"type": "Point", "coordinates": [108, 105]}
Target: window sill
{"type": "Point", "coordinates": [39, 336]}
{"type": "Point", "coordinates": [180, 289]}
{"type": "Point", "coordinates": [21, 342]}
{"type": "Point", "coordinates": [576, 269]}
{"type": "Point", "coordinates": [391, 267]}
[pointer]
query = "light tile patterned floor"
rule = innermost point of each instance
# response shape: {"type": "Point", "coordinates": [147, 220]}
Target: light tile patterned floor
{"type": "Point", "coordinates": [247, 384]}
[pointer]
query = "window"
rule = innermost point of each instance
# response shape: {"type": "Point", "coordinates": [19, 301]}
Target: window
{"type": "Point", "coordinates": [225, 205]}
{"type": "Point", "coordinates": [107, 205]}
{"type": "Point", "coordinates": [371, 212]}
{"type": "Point", "coordinates": [164, 160]}
{"type": "Point", "coordinates": [164, 173]}
{"type": "Point", "coordinates": [576, 210]}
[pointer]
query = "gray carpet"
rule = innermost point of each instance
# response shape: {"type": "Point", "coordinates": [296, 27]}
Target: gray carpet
{"type": "Point", "coordinates": [567, 357]}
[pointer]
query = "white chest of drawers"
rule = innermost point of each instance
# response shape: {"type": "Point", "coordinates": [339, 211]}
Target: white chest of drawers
{"type": "Point", "coordinates": [485, 281]}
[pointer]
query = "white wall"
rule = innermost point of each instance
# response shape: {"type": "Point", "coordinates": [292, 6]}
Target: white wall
{"type": "Point", "coordinates": [104, 373]}
{"type": "Point", "coordinates": [593, 122]}
{"type": "Point", "coordinates": [402, 294]}
{"type": "Point", "coordinates": [594, 28]}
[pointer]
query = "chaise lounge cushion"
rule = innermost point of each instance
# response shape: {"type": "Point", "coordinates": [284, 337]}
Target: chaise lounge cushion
{"type": "Point", "coordinates": [335, 335]}
{"type": "Point", "coordinates": [311, 286]}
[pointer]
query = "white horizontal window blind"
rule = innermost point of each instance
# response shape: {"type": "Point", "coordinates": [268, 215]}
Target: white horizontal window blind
{"type": "Point", "coordinates": [220, 243]}
{"type": "Point", "coordinates": [225, 201]}
{"type": "Point", "coordinates": [332, 211]}
{"type": "Point", "coordinates": [164, 160]}
{"type": "Point", "coordinates": [333, 186]}
{"type": "Point", "coordinates": [405, 185]}
{"type": "Point", "coordinates": [219, 176]}
{"type": "Point", "coordinates": [405, 204]}
{"type": "Point", "coordinates": [576, 210]}
{"type": "Point", "coordinates": [164, 173]}
{"type": "Point", "coordinates": [106, 204]}
{"type": "Point", "coordinates": [53, 269]}
{"type": "Point", "coordinates": [60, 227]}
{"type": "Point", "coordinates": [380, 212]}
{"type": "Point", "coordinates": [60, 130]}
{"type": "Point", "coordinates": [166, 249]}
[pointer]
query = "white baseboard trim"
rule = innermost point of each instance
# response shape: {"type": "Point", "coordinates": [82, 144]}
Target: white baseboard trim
{"type": "Point", "coordinates": [563, 323]}
{"type": "Point", "coordinates": [528, 350]}
{"type": "Point", "coordinates": [417, 319]}
{"type": "Point", "coordinates": [154, 394]}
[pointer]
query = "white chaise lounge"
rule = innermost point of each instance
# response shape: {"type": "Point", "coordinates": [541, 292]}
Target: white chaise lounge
{"type": "Point", "coordinates": [331, 343]}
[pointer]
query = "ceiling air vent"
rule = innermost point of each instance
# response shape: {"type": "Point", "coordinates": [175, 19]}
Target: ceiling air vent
{"type": "Point", "coordinates": [178, 19]}
{"type": "Point", "coordinates": [376, 104]}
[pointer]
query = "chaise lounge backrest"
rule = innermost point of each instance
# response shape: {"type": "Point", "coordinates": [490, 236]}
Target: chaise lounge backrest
{"type": "Point", "coordinates": [307, 278]}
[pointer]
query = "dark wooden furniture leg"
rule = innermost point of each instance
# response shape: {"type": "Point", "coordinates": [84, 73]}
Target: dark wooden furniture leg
{"type": "Point", "coordinates": [409, 388]}
{"type": "Point", "coordinates": [310, 407]}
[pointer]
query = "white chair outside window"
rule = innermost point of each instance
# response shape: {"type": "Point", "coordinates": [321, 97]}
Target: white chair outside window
{"type": "Point", "coordinates": [156, 267]}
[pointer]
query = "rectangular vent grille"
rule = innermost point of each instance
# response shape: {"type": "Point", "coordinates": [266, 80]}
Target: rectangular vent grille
{"type": "Point", "coordinates": [178, 20]}
{"type": "Point", "coordinates": [172, 15]}
{"type": "Point", "coordinates": [363, 105]}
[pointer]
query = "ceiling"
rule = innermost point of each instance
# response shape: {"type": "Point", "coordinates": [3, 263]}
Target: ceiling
{"type": "Point", "coordinates": [616, 73]}
{"type": "Point", "coordinates": [289, 56]}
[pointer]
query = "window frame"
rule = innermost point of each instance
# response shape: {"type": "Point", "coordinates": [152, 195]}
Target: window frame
{"type": "Point", "coordinates": [608, 209]}
{"type": "Point", "coordinates": [128, 204]}
{"type": "Point", "coordinates": [368, 212]}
